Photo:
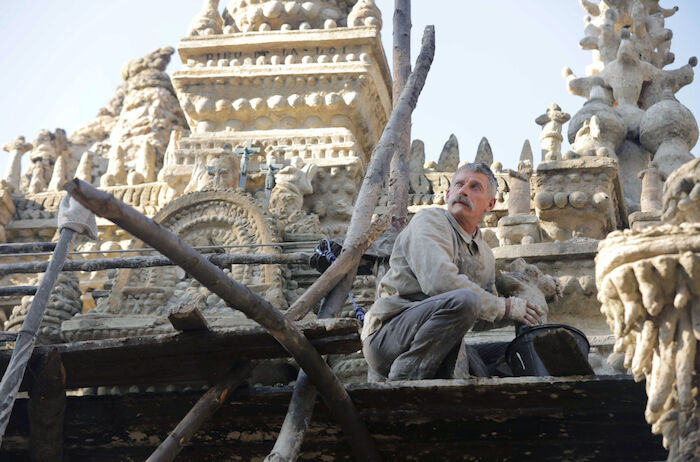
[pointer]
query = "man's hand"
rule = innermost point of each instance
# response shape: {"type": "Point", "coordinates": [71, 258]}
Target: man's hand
{"type": "Point", "coordinates": [523, 311]}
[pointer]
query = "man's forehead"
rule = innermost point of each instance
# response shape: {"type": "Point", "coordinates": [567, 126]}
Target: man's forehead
{"type": "Point", "coordinates": [468, 175]}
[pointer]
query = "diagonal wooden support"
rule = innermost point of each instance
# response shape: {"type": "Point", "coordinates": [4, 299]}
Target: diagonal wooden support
{"type": "Point", "coordinates": [239, 297]}
{"type": "Point", "coordinates": [24, 345]}
{"type": "Point", "coordinates": [298, 416]}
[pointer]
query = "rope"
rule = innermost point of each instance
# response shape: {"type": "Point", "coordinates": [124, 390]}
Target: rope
{"type": "Point", "coordinates": [328, 254]}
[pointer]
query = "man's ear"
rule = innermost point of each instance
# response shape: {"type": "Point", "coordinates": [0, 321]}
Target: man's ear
{"type": "Point", "coordinates": [492, 204]}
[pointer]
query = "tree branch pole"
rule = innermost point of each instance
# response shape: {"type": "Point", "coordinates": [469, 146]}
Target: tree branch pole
{"type": "Point", "coordinates": [205, 407]}
{"type": "Point", "coordinates": [99, 264]}
{"type": "Point", "coordinates": [296, 422]}
{"type": "Point", "coordinates": [398, 176]}
{"type": "Point", "coordinates": [26, 337]}
{"type": "Point", "coordinates": [239, 297]}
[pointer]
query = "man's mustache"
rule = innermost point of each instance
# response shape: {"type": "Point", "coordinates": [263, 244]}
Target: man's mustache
{"type": "Point", "coordinates": [462, 199]}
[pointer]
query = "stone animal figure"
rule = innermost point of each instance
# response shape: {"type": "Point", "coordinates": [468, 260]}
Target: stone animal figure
{"type": "Point", "coordinates": [529, 283]}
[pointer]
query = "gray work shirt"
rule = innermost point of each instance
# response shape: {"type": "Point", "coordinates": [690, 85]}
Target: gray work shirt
{"type": "Point", "coordinates": [431, 256]}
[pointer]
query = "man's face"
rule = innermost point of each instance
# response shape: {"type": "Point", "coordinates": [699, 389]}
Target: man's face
{"type": "Point", "coordinates": [468, 197]}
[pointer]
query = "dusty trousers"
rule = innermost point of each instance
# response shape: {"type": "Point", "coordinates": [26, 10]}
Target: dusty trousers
{"type": "Point", "coordinates": [413, 344]}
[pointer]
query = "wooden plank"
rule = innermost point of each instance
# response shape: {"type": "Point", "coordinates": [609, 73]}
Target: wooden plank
{"type": "Point", "coordinates": [531, 419]}
{"type": "Point", "coordinates": [187, 357]}
{"type": "Point", "coordinates": [187, 318]}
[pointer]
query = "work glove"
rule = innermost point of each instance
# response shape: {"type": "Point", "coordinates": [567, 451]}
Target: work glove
{"type": "Point", "coordinates": [72, 215]}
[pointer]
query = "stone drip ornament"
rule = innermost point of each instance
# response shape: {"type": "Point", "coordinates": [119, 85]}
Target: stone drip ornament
{"type": "Point", "coordinates": [649, 287]}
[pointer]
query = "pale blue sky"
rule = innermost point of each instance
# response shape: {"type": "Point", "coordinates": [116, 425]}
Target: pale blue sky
{"type": "Point", "coordinates": [497, 65]}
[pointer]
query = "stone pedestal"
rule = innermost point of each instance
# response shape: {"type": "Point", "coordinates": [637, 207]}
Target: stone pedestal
{"type": "Point", "coordinates": [579, 198]}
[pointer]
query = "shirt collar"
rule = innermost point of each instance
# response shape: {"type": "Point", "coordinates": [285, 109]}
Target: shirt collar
{"type": "Point", "coordinates": [466, 237]}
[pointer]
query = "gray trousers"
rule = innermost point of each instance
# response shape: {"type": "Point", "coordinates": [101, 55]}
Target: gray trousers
{"type": "Point", "coordinates": [413, 344]}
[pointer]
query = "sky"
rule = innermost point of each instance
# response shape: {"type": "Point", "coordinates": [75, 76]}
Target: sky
{"type": "Point", "coordinates": [498, 63]}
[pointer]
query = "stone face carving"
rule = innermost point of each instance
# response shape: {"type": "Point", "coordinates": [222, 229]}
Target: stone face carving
{"type": "Point", "coordinates": [214, 169]}
{"type": "Point", "coordinates": [649, 286]}
{"type": "Point", "coordinates": [16, 148]}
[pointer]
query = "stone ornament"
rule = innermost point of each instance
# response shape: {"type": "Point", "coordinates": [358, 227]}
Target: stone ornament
{"type": "Point", "coordinates": [649, 287]}
{"type": "Point", "coordinates": [630, 93]}
{"type": "Point", "coordinates": [552, 121]}
{"type": "Point", "coordinates": [16, 148]}
{"type": "Point", "coordinates": [208, 21]}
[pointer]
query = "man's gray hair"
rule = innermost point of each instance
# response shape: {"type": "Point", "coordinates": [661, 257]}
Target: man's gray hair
{"type": "Point", "coordinates": [480, 167]}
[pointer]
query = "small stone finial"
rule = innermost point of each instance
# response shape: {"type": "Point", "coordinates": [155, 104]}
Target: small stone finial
{"type": "Point", "coordinates": [483, 152]}
{"type": "Point", "coordinates": [208, 21]}
{"type": "Point", "coordinates": [365, 13]}
{"type": "Point", "coordinates": [526, 152]}
{"type": "Point", "coordinates": [449, 157]}
{"type": "Point", "coordinates": [551, 138]}
{"type": "Point", "coordinates": [16, 148]}
{"type": "Point", "coordinates": [84, 170]}
{"type": "Point", "coordinates": [18, 144]}
{"type": "Point", "coordinates": [652, 188]}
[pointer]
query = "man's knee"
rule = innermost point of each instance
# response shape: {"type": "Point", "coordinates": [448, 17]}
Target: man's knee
{"type": "Point", "coordinates": [466, 304]}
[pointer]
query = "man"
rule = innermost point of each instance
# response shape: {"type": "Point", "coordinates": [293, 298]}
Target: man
{"type": "Point", "coordinates": [441, 280]}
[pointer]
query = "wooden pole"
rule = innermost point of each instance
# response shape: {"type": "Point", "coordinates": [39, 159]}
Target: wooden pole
{"type": "Point", "coordinates": [398, 176]}
{"type": "Point", "coordinates": [239, 297]}
{"type": "Point", "coordinates": [13, 291]}
{"type": "Point", "coordinates": [298, 416]}
{"type": "Point", "coordinates": [205, 407]}
{"type": "Point", "coordinates": [26, 337]}
{"type": "Point", "coordinates": [99, 264]}
{"type": "Point", "coordinates": [47, 405]}
{"type": "Point", "coordinates": [27, 247]}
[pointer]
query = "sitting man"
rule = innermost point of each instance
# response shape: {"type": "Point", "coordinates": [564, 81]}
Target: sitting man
{"type": "Point", "coordinates": [440, 282]}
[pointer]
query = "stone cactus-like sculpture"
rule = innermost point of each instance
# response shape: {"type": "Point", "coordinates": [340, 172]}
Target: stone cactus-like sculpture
{"type": "Point", "coordinates": [649, 287]}
{"type": "Point", "coordinates": [630, 93]}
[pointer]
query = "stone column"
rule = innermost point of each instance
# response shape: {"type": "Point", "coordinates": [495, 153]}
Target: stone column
{"type": "Point", "coordinates": [14, 169]}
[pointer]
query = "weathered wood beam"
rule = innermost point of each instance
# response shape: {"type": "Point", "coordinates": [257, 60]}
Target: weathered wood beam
{"type": "Point", "coordinates": [6, 336]}
{"type": "Point", "coordinates": [398, 176]}
{"type": "Point", "coordinates": [27, 247]}
{"type": "Point", "coordinates": [187, 318]}
{"type": "Point", "coordinates": [99, 264]}
{"type": "Point", "coordinates": [24, 345]}
{"type": "Point", "coordinates": [239, 297]}
{"type": "Point", "coordinates": [298, 417]}
{"type": "Point", "coordinates": [185, 358]}
{"type": "Point", "coordinates": [47, 404]}
{"type": "Point", "coordinates": [13, 291]}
